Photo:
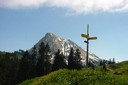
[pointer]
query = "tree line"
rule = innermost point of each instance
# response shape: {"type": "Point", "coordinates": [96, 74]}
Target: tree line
{"type": "Point", "coordinates": [110, 61]}
{"type": "Point", "coordinates": [22, 65]}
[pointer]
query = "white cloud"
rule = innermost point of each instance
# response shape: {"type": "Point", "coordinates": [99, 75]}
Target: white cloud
{"type": "Point", "coordinates": [77, 6]}
{"type": "Point", "coordinates": [21, 3]}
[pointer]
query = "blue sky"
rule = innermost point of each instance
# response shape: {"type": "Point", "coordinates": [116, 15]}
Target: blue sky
{"type": "Point", "coordinates": [24, 23]}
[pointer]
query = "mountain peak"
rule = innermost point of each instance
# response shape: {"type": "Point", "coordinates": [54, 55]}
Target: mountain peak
{"type": "Point", "coordinates": [55, 42]}
{"type": "Point", "coordinates": [49, 34]}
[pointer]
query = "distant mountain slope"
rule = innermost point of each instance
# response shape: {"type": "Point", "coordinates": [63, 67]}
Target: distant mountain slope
{"type": "Point", "coordinates": [82, 77]}
{"type": "Point", "coordinates": [55, 42]}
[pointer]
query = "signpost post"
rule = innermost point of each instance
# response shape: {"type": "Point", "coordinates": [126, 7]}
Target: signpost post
{"type": "Point", "coordinates": [87, 41]}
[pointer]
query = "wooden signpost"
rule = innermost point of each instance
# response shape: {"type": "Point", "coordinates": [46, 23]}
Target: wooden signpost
{"type": "Point", "coordinates": [87, 41]}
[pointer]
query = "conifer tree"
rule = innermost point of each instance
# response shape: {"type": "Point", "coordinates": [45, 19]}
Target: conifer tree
{"type": "Point", "coordinates": [113, 61]}
{"type": "Point", "coordinates": [24, 67]}
{"type": "Point", "coordinates": [33, 62]}
{"type": "Point", "coordinates": [109, 62]}
{"type": "Point", "coordinates": [71, 63]}
{"type": "Point", "coordinates": [59, 61]}
{"type": "Point", "coordinates": [8, 68]}
{"type": "Point", "coordinates": [14, 64]}
{"type": "Point", "coordinates": [40, 62]}
{"type": "Point", "coordinates": [63, 63]}
{"type": "Point", "coordinates": [43, 66]}
{"type": "Point", "coordinates": [48, 66]}
{"type": "Point", "coordinates": [77, 59]}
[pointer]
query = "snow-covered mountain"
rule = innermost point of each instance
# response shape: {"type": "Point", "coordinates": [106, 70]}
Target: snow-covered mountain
{"type": "Point", "coordinates": [55, 42]}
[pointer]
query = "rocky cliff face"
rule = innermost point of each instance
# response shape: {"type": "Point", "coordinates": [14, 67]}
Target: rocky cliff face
{"type": "Point", "coordinates": [55, 42]}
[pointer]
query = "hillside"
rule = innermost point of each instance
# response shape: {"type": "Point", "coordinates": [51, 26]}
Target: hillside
{"type": "Point", "coordinates": [85, 77]}
{"type": "Point", "coordinates": [120, 67]}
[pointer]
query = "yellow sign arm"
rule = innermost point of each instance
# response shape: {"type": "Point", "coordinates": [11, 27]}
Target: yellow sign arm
{"type": "Point", "coordinates": [84, 35]}
{"type": "Point", "coordinates": [92, 38]}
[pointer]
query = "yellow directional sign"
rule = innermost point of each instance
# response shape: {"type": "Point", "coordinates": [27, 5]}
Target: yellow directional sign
{"type": "Point", "coordinates": [88, 38]}
{"type": "Point", "coordinates": [84, 35]}
{"type": "Point", "coordinates": [92, 38]}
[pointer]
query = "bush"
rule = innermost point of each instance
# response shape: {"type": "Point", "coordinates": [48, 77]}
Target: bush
{"type": "Point", "coordinates": [82, 77]}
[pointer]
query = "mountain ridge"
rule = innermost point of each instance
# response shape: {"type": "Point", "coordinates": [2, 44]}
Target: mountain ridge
{"type": "Point", "coordinates": [55, 42]}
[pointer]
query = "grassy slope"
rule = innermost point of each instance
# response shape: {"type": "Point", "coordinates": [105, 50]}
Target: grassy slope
{"type": "Point", "coordinates": [84, 77]}
{"type": "Point", "coordinates": [120, 67]}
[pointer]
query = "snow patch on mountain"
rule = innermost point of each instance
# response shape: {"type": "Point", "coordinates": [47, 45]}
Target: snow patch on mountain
{"type": "Point", "coordinates": [55, 42]}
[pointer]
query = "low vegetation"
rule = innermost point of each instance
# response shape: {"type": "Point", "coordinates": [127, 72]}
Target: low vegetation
{"type": "Point", "coordinates": [21, 66]}
{"type": "Point", "coordinates": [117, 75]}
{"type": "Point", "coordinates": [121, 68]}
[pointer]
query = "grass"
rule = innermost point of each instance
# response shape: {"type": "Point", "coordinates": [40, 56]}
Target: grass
{"type": "Point", "coordinates": [120, 67]}
{"type": "Point", "coordinates": [84, 77]}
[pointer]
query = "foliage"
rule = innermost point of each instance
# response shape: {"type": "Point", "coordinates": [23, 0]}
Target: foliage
{"type": "Point", "coordinates": [43, 66]}
{"type": "Point", "coordinates": [120, 67]}
{"type": "Point", "coordinates": [21, 65]}
{"type": "Point", "coordinates": [59, 61]}
{"type": "Point", "coordinates": [77, 60]}
{"type": "Point", "coordinates": [71, 59]}
{"type": "Point", "coordinates": [8, 68]}
{"type": "Point", "coordinates": [74, 60]}
{"type": "Point", "coordinates": [111, 61]}
{"type": "Point", "coordinates": [26, 67]}
{"type": "Point", "coordinates": [79, 77]}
